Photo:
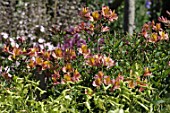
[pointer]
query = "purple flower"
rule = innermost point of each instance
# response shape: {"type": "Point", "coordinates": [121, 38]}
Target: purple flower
{"type": "Point", "coordinates": [101, 41]}
{"type": "Point", "coordinates": [148, 4]}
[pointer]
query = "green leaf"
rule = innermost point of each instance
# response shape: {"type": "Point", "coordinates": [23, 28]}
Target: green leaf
{"type": "Point", "coordinates": [87, 104]}
{"type": "Point", "coordinates": [159, 102]}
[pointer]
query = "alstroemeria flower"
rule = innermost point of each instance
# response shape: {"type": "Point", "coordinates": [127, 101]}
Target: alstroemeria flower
{"type": "Point", "coordinates": [33, 51]}
{"type": "Point", "coordinates": [67, 68]}
{"type": "Point", "coordinates": [142, 84]}
{"type": "Point", "coordinates": [146, 27]}
{"type": "Point", "coordinates": [31, 64]}
{"type": "Point", "coordinates": [76, 76]}
{"type": "Point", "coordinates": [107, 80]}
{"type": "Point", "coordinates": [6, 73]}
{"type": "Point", "coordinates": [91, 61]}
{"type": "Point", "coordinates": [46, 65]}
{"type": "Point", "coordinates": [97, 82]}
{"type": "Point", "coordinates": [116, 82]}
{"type": "Point", "coordinates": [147, 72]}
{"type": "Point", "coordinates": [107, 61]}
{"type": "Point", "coordinates": [105, 29]}
{"type": "Point", "coordinates": [6, 49]}
{"type": "Point", "coordinates": [153, 38]}
{"type": "Point", "coordinates": [144, 33]}
{"type": "Point", "coordinates": [98, 59]}
{"type": "Point", "coordinates": [113, 16]}
{"type": "Point", "coordinates": [105, 11]}
{"type": "Point", "coordinates": [132, 84]}
{"type": "Point", "coordinates": [57, 53]}
{"type": "Point", "coordinates": [16, 52]}
{"type": "Point", "coordinates": [67, 78]}
{"type": "Point", "coordinates": [39, 61]}
{"type": "Point", "coordinates": [165, 20]}
{"type": "Point", "coordinates": [96, 16]}
{"type": "Point", "coordinates": [109, 14]}
{"type": "Point", "coordinates": [69, 54]}
{"type": "Point", "coordinates": [157, 27]}
{"type": "Point", "coordinates": [98, 79]}
{"type": "Point", "coordinates": [46, 54]}
{"type": "Point", "coordinates": [163, 35]}
{"type": "Point", "coordinates": [56, 77]}
{"type": "Point", "coordinates": [100, 75]}
{"type": "Point", "coordinates": [84, 50]}
{"type": "Point", "coordinates": [85, 13]}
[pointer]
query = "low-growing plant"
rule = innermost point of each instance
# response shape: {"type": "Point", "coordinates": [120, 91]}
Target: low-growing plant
{"type": "Point", "coordinates": [86, 69]}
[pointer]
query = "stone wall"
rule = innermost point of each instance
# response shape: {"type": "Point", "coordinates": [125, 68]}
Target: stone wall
{"type": "Point", "coordinates": [21, 17]}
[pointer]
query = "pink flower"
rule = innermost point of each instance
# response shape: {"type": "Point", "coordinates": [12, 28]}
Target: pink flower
{"type": "Point", "coordinates": [97, 82]}
{"type": "Point", "coordinates": [76, 76]}
{"type": "Point", "coordinates": [105, 29]}
{"type": "Point", "coordinates": [107, 80]}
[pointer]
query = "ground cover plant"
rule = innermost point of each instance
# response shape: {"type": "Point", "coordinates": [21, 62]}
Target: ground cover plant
{"type": "Point", "coordinates": [86, 68]}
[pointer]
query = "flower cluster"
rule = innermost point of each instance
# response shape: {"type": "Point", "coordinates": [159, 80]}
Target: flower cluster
{"type": "Point", "coordinates": [165, 20]}
{"type": "Point", "coordinates": [97, 59]}
{"type": "Point", "coordinates": [132, 83]}
{"type": "Point", "coordinates": [148, 5]}
{"type": "Point", "coordinates": [153, 32]}
{"type": "Point", "coordinates": [106, 15]}
{"type": "Point", "coordinates": [100, 79]}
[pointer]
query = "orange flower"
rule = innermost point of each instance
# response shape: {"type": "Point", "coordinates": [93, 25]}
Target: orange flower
{"type": "Point", "coordinates": [113, 16]}
{"type": "Point", "coordinates": [97, 82]}
{"type": "Point", "coordinates": [6, 48]}
{"type": "Point", "coordinates": [67, 68]}
{"type": "Point", "coordinates": [147, 72]}
{"type": "Point", "coordinates": [39, 61]}
{"type": "Point", "coordinates": [33, 51]}
{"type": "Point", "coordinates": [107, 61]}
{"type": "Point", "coordinates": [116, 83]}
{"type": "Point", "coordinates": [163, 35]}
{"type": "Point", "coordinates": [142, 85]}
{"type": "Point", "coordinates": [84, 50]}
{"type": "Point", "coordinates": [96, 16]}
{"type": "Point", "coordinates": [91, 28]}
{"type": "Point", "coordinates": [70, 54]}
{"type": "Point", "coordinates": [55, 77]}
{"type": "Point", "coordinates": [91, 61]}
{"type": "Point", "coordinates": [95, 60]}
{"type": "Point", "coordinates": [146, 27]}
{"type": "Point", "coordinates": [131, 84]}
{"type": "Point", "coordinates": [76, 75]}
{"type": "Point", "coordinates": [107, 80]}
{"type": "Point", "coordinates": [85, 12]}
{"type": "Point", "coordinates": [145, 33]}
{"type": "Point", "coordinates": [57, 53]}
{"type": "Point", "coordinates": [67, 77]}
{"type": "Point", "coordinates": [157, 27]}
{"type": "Point", "coordinates": [153, 38]}
{"type": "Point", "coordinates": [109, 14]}
{"type": "Point", "coordinates": [47, 54]}
{"type": "Point", "coordinates": [31, 64]}
{"type": "Point", "coordinates": [105, 11]}
{"type": "Point", "coordinates": [100, 75]}
{"type": "Point", "coordinates": [46, 64]}
{"type": "Point", "coordinates": [16, 52]}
